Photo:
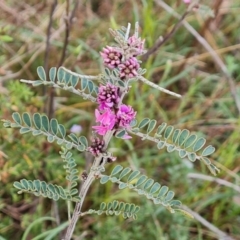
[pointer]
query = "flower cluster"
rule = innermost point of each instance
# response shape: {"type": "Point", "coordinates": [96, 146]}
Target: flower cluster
{"type": "Point", "coordinates": [128, 65]}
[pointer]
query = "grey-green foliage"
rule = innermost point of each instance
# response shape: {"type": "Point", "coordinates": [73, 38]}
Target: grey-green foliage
{"type": "Point", "coordinates": [41, 125]}
{"type": "Point", "coordinates": [186, 144]}
{"type": "Point", "coordinates": [72, 172]}
{"type": "Point", "coordinates": [41, 188]}
{"type": "Point", "coordinates": [67, 80]}
{"type": "Point", "coordinates": [143, 185]}
{"type": "Point", "coordinates": [128, 210]}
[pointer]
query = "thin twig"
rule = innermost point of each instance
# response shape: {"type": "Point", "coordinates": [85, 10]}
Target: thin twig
{"type": "Point", "coordinates": [207, 46]}
{"type": "Point", "coordinates": [213, 179]}
{"type": "Point", "coordinates": [221, 235]}
{"type": "Point", "coordinates": [47, 51]}
{"type": "Point", "coordinates": [162, 40]}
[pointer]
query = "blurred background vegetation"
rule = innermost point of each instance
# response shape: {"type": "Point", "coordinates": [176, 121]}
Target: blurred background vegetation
{"type": "Point", "coordinates": [182, 65]}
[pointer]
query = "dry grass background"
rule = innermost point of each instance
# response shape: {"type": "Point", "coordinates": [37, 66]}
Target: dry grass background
{"type": "Point", "coordinates": [207, 78]}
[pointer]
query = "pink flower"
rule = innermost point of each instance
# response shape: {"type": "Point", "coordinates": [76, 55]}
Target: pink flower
{"type": "Point", "coordinates": [107, 121]}
{"type": "Point", "coordinates": [129, 68]}
{"type": "Point", "coordinates": [125, 115]}
{"type": "Point", "coordinates": [137, 44]}
{"type": "Point", "coordinates": [187, 1]}
{"type": "Point", "coordinates": [111, 57]}
{"type": "Point", "coordinates": [108, 96]}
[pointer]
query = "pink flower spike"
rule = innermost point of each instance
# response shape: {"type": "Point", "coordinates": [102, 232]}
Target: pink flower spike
{"type": "Point", "coordinates": [111, 57]}
{"type": "Point", "coordinates": [125, 115]}
{"type": "Point", "coordinates": [137, 44]}
{"type": "Point", "coordinates": [107, 121]}
{"type": "Point", "coordinates": [129, 68]}
{"type": "Point", "coordinates": [108, 96]}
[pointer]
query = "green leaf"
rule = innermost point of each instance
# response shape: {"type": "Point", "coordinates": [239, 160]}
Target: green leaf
{"type": "Point", "coordinates": [81, 148]}
{"type": "Point", "coordinates": [190, 141]}
{"type": "Point", "coordinates": [62, 130]}
{"type": "Point", "coordinates": [73, 137]}
{"type": "Point", "coordinates": [67, 78]}
{"type": "Point", "coordinates": [74, 81]}
{"type": "Point", "coordinates": [45, 123]}
{"type": "Point", "coordinates": [52, 74]}
{"type": "Point", "coordinates": [104, 179]}
{"type": "Point", "coordinates": [50, 138]}
{"type": "Point", "coordinates": [206, 160]}
{"type": "Point", "coordinates": [36, 132]}
{"type": "Point", "coordinates": [73, 192]}
{"type": "Point", "coordinates": [171, 148]}
{"type": "Point", "coordinates": [168, 132]}
{"type": "Point", "coordinates": [163, 191]}
{"type": "Point", "coordinates": [133, 175]}
{"type": "Point", "coordinates": [183, 136]}
{"type": "Point", "coordinates": [161, 144]}
{"type": "Point", "coordinates": [27, 119]}
{"type": "Point", "coordinates": [84, 83]}
{"type": "Point", "coordinates": [41, 73]}
{"type": "Point", "coordinates": [124, 172]}
{"type": "Point", "coordinates": [120, 133]}
{"type": "Point", "coordinates": [37, 120]}
{"type": "Point", "coordinates": [18, 185]}
{"type": "Point", "coordinates": [90, 86]}
{"type": "Point", "coordinates": [116, 170]}
{"type": "Point", "coordinates": [192, 156]}
{"type": "Point", "coordinates": [83, 141]}
{"type": "Point", "coordinates": [143, 123]}
{"type": "Point", "coordinates": [37, 185]}
{"type": "Point", "coordinates": [151, 126]}
{"type": "Point", "coordinates": [24, 183]}
{"type": "Point", "coordinates": [60, 74]}
{"type": "Point", "coordinates": [54, 126]}
{"type": "Point", "coordinates": [175, 135]}
{"type": "Point", "coordinates": [161, 128]}
{"type": "Point", "coordinates": [148, 184]}
{"type": "Point", "coordinates": [122, 185]}
{"type": "Point", "coordinates": [208, 151]}
{"type": "Point", "coordinates": [17, 118]}
{"type": "Point", "coordinates": [103, 206]}
{"type": "Point", "coordinates": [199, 144]}
{"type": "Point", "coordinates": [141, 180]}
{"type": "Point", "coordinates": [169, 196]}
{"type": "Point", "coordinates": [175, 203]}
{"type": "Point", "coordinates": [156, 186]}
{"type": "Point", "coordinates": [24, 130]}
{"type": "Point", "coordinates": [182, 153]}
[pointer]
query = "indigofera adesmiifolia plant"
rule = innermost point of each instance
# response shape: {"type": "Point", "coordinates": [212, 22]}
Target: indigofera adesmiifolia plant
{"type": "Point", "coordinates": [114, 119]}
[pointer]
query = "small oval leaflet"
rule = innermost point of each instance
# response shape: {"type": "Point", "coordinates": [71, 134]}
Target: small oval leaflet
{"type": "Point", "coordinates": [141, 180]}
{"type": "Point", "coordinates": [133, 175]}
{"type": "Point", "coordinates": [45, 123]}
{"type": "Point", "coordinates": [143, 123]}
{"type": "Point", "coordinates": [41, 73]}
{"type": "Point", "coordinates": [190, 141]}
{"type": "Point", "coordinates": [24, 130]}
{"type": "Point", "coordinates": [116, 170]}
{"type": "Point", "coordinates": [161, 144]}
{"type": "Point", "coordinates": [168, 132]}
{"type": "Point", "coordinates": [161, 128]}
{"type": "Point", "coordinates": [151, 126]}
{"type": "Point", "coordinates": [37, 120]}
{"type": "Point", "coordinates": [27, 119]}
{"type": "Point", "coordinates": [163, 191]}
{"type": "Point", "coordinates": [52, 74]}
{"type": "Point", "coordinates": [54, 126]}
{"type": "Point", "coordinates": [104, 179]}
{"type": "Point", "coordinates": [122, 185]}
{"type": "Point", "coordinates": [156, 186]}
{"type": "Point", "coordinates": [182, 153]}
{"type": "Point", "coordinates": [83, 141]}
{"type": "Point", "coordinates": [124, 172]}
{"type": "Point", "coordinates": [17, 118]}
{"type": "Point", "coordinates": [208, 151]}
{"type": "Point", "coordinates": [192, 157]}
{"type": "Point", "coordinates": [175, 135]}
{"type": "Point", "coordinates": [148, 184]}
{"type": "Point", "coordinates": [183, 136]}
{"type": "Point", "coordinates": [169, 196]}
{"type": "Point", "coordinates": [199, 144]}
